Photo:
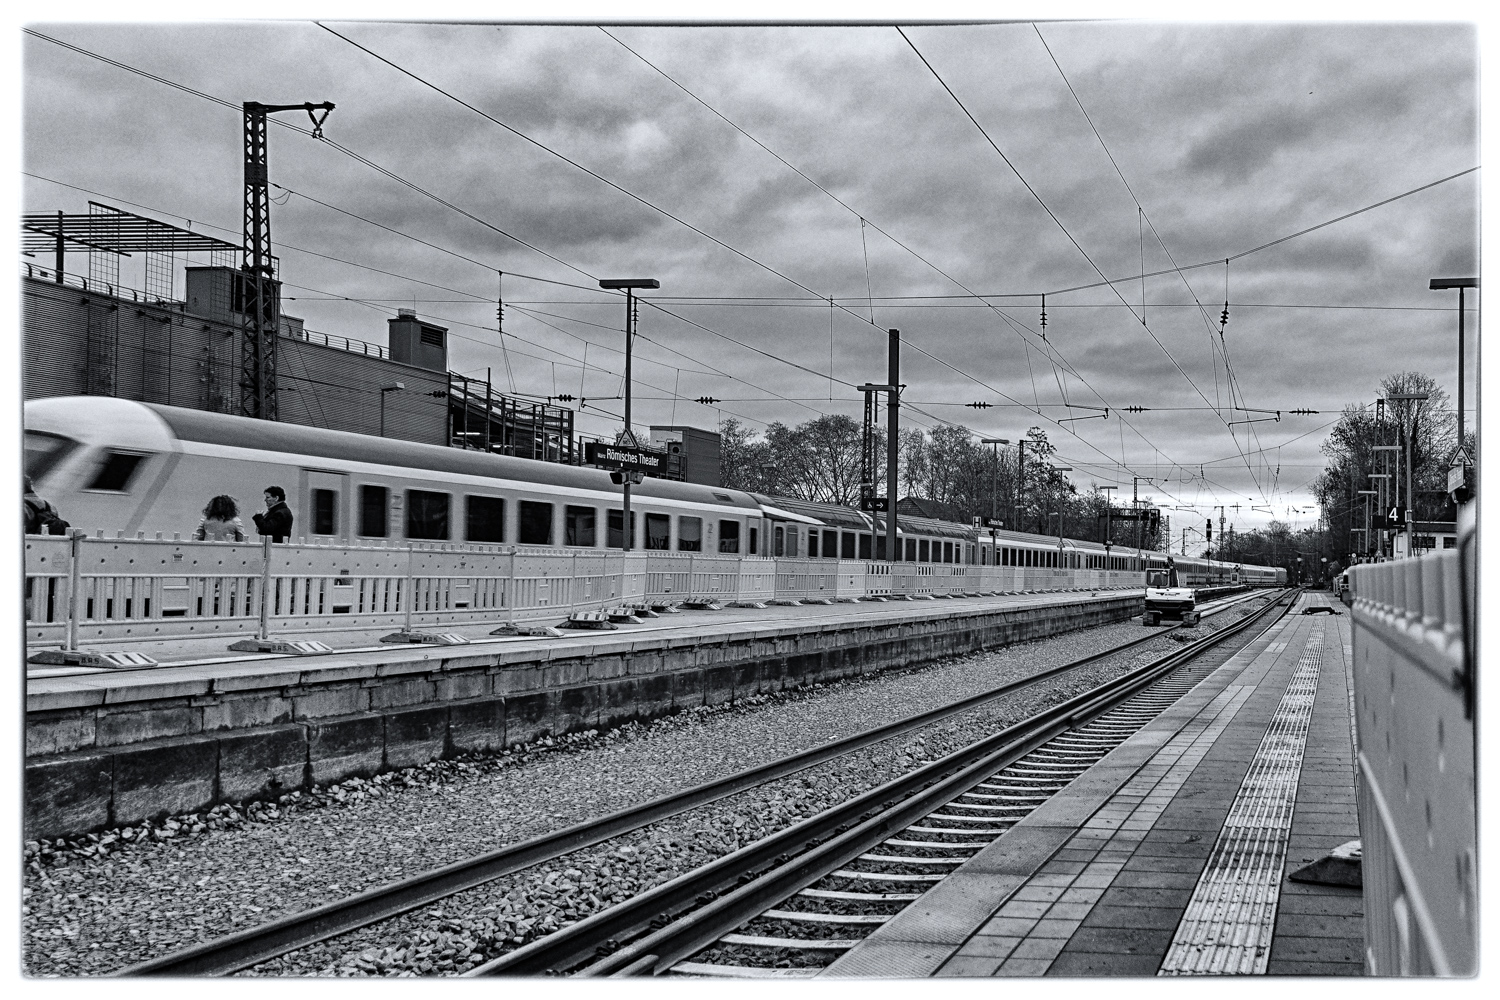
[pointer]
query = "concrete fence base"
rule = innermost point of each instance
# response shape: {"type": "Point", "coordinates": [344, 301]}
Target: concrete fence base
{"type": "Point", "coordinates": [108, 764]}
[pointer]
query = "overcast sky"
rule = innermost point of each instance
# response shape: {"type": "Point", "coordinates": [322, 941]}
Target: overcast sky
{"type": "Point", "coordinates": [1216, 139]}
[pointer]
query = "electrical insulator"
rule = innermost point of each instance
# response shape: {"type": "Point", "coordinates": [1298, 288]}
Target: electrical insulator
{"type": "Point", "coordinates": [979, 406]}
{"type": "Point", "coordinates": [707, 400]}
{"type": "Point", "coordinates": [1136, 409]}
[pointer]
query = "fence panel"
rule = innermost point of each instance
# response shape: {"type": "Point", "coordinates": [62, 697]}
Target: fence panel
{"type": "Point", "coordinates": [850, 583]}
{"type": "Point", "coordinates": [1413, 691]}
{"type": "Point", "coordinates": [757, 579]}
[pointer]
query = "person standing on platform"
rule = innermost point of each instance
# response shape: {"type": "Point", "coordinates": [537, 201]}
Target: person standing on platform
{"type": "Point", "coordinates": [277, 519]}
{"type": "Point", "coordinates": [37, 515]}
{"type": "Point", "coordinates": [221, 522]}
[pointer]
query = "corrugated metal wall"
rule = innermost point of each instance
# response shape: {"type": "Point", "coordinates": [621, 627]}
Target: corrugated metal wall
{"type": "Point", "coordinates": [81, 343]}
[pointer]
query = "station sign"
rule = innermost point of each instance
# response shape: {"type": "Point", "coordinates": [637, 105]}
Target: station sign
{"type": "Point", "coordinates": [993, 522]}
{"type": "Point", "coordinates": [616, 456]}
{"type": "Point", "coordinates": [1455, 477]}
{"type": "Point", "coordinates": [877, 504]}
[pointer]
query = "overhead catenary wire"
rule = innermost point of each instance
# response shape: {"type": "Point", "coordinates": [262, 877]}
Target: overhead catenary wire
{"type": "Point", "coordinates": [1063, 228]}
{"type": "Point", "coordinates": [502, 342]}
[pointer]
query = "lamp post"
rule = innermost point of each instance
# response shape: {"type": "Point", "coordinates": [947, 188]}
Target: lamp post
{"type": "Point", "coordinates": [1367, 494]}
{"type": "Point", "coordinates": [1383, 482]}
{"type": "Point", "coordinates": [628, 285]}
{"type": "Point", "coordinates": [1108, 506]}
{"type": "Point", "coordinates": [393, 387]}
{"type": "Point", "coordinates": [1441, 284]}
{"type": "Point", "coordinates": [1411, 507]}
{"type": "Point", "coordinates": [1057, 514]}
{"type": "Point", "coordinates": [994, 444]}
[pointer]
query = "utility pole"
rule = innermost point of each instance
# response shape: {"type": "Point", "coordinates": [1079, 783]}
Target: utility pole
{"type": "Point", "coordinates": [893, 429]}
{"type": "Point", "coordinates": [259, 296]}
{"type": "Point", "coordinates": [892, 389]}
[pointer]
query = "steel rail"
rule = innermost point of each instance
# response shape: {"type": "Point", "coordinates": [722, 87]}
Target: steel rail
{"type": "Point", "coordinates": [566, 948]}
{"type": "Point", "coordinates": [253, 945]}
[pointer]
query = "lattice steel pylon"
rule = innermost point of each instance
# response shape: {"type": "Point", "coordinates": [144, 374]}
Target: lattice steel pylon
{"type": "Point", "coordinates": [259, 300]}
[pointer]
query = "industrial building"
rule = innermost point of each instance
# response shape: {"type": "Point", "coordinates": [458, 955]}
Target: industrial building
{"type": "Point", "coordinates": [86, 334]}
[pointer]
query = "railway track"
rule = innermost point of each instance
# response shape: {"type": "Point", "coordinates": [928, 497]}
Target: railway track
{"type": "Point", "coordinates": [814, 890]}
{"type": "Point", "coordinates": [258, 944]}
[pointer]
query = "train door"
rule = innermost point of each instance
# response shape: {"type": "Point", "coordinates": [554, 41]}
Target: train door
{"type": "Point", "coordinates": [325, 512]}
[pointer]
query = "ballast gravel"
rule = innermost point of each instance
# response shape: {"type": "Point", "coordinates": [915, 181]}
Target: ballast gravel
{"type": "Point", "coordinates": [96, 904]}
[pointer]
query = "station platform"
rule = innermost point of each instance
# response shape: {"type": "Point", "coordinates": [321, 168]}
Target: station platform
{"type": "Point", "coordinates": [1171, 855]}
{"type": "Point", "coordinates": [206, 725]}
{"type": "Point", "coordinates": [361, 644]}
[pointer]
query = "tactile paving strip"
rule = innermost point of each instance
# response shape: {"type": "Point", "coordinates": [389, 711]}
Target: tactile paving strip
{"type": "Point", "coordinates": [1226, 929]}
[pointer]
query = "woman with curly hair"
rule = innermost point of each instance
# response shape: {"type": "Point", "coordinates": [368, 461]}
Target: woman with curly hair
{"type": "Point", "coordinates": [221, 522]}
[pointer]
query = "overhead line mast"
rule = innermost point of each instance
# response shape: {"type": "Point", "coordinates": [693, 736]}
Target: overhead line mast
{"type": "Point", "coordinates": [260, 297]}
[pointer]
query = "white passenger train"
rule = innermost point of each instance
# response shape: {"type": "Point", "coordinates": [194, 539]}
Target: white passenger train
{"type": "Point", "coordinates": [116, 465]}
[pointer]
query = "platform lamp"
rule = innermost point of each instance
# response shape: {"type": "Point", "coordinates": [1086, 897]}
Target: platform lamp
{"type": "Point", "coordinates": [1443, 284]}
{"type": "Point", "coordinates": [391, 387]}
{"type": "Point", "coordinates": [994, 444]}
{"type": "Point", "coordinates": [1367, 494]}
{"type": "Point", "coordinates": [1108, 510]}
{"type": "Point", "coordinates": [1059, 468]}
{"type": "Point", "coordinates": [1411, 507]}
{"type": "Point", "coordinates": [628, 285]}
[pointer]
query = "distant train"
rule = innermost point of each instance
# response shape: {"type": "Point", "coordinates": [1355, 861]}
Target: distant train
{"type": "Point", "coordinates": [117, 465]}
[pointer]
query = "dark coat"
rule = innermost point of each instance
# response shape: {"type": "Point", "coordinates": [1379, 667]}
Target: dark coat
{"type": "Point", "coordinates": [40, 517]}
{"type": "Point", "coordinates": [276, 522]}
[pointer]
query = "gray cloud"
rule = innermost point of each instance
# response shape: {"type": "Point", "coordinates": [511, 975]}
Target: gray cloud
{"type": "Point", "coordinates": [1230, 136]}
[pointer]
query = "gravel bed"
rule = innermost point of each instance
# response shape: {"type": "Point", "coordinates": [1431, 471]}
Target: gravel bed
{"type": "Point", "coordinates": [98, 903]}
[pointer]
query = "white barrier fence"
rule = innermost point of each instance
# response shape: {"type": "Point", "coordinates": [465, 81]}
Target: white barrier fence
{"type": "Point", "coordinates": [132, 587]}
{"type": "Point", "coordinates": [1414, 710]}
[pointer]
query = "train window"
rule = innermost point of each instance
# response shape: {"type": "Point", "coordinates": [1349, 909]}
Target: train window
{"type": "Point", "coordinates": [864, 546]}
{"type": "Point", "coordinates": [485, 519]}
{"type": "Point", "coordinates": [44, 450]}
{"type": "Point", "coordinates": [830, 545]}
{"type": "Point", "coordinates": [579, 526]}
{"type": "Point", "coordinates": [658, 531]}
{"type": "Point", "coordinates": [754, 540]}
{"type": "Point", "coordinates": [780, 541]}
{"type": "Point", "coordinates": [615, 532]}
{"type": "Point", "coordinates": [812, 544]}
{"type": "Point", "coordinates": [923, 550]}
{"type": "Point", "coordinates": [373, 522]}
{"type": "Point", "coordinates": [879, 546]}
{"type": "Point", "coordinates": [690, 534]}
{"type": "Point", "coordinates": [947, 552]}
{"type": "Point", "coordinates": [535, 523]}
{"type": "Point", "coordinates": [729, 536]}
{"type": "Point", "coordinates": [324, 512]}
{"type": "Point", "coordinates": [791, 542]}
{"type": "Point", "coordinates": [426, 515]}
{"type": "Point", "coordinates": [846, 545]}
{"type": "Point", "coordinates": [115, 472]}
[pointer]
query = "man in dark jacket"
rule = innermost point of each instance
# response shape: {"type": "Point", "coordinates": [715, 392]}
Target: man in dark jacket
{"type": "Point", "coordinates": [38, 516]}
{"type": "Point", "coordinates": [277, 519]}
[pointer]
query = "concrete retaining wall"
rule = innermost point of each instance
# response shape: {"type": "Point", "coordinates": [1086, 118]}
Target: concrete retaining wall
{"type": "Point", "coordinates": [106, 757]}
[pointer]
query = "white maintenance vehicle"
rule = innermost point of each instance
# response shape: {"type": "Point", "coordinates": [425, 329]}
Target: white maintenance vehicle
{"type": "Point", "coordinates": [1165, 598]}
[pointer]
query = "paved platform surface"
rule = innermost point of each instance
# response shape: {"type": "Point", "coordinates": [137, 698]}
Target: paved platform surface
{"type": "Point", "coordinates": [1171, 855]}
{"type": "Point", "coordinates": [362, 645]}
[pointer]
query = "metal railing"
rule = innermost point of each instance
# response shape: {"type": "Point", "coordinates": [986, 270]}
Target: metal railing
{"type": "Point", "coordinates": [135, 587]}
{"type": "Point", "coordinates": [1414, 712]}
{"type": "Point", "coordinates": [339, 343]}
